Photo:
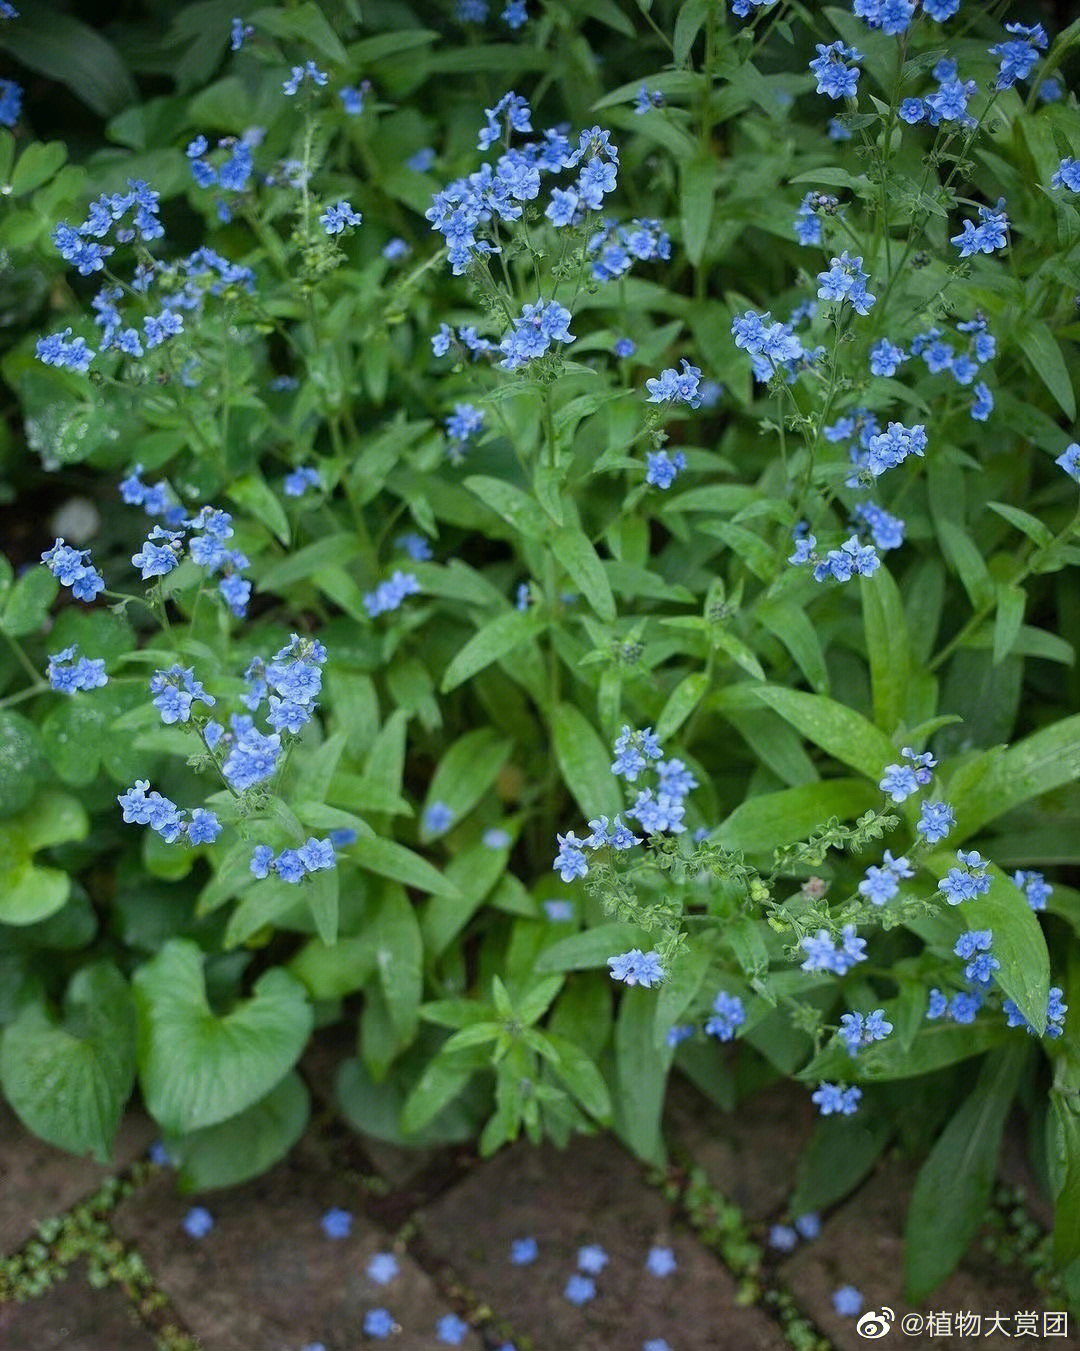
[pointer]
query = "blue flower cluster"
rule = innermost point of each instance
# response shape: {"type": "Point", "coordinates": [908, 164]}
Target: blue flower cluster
{"type": "Point", "coordinates": [389, 595]}
{"type": "Point", "coordinates": [535, 329]}
{"type": "Point", "coordinates": [672, 386]}
{"type": "Point", "coordinates": [834, 78]}
{"type": "Point", "coordinates": [175, 690]}
{"type": "Point", "coordinates": [886, 530]}
{"type": "Point", "coordinates": [163, 549]}
{"type": "Point", "coordinates": [899, 782]}
{"type": "Point", "coordinates": [71, 567]}
{"type": "Point", "coordinates": [880, 885]}
{"type": "Point", "coordinates": [466, 338]}
{"type": "Point", "coordinates": [305, 74]}
{"type": "Point", "coordinates": [293, 865]}
{"type": "Point", "coordinates": [890, 16]}
{"type": "Point", "coordinates": [858, 1029]}
{"type": "Point", "coordinates": [67, 672]}
{"type": "Point", "coordinates": [108, 214]}
{"type": "Point", "coordinates": [1020, 56]}
{"type": "Point", "coordinates": [772, 346]}
{"type": "Point", "coordinates": [339, 217]}
{"type": "Point", "coordinates": [1034, 886]}
{"type": "Point", "coordinates": [967, 881]}
{"type": "Point", "coordinates": [834, 1098]}
{"type": "Point", "coordinates": [465, 421]}
{"type": "Point", "coordinates": [990, 235]}
{"type": "Point", "coordinates": [948, 103]}
{"type": "Point", "coordinates": [465, 210]}
{"type": "Point", "coordinates": [145, 808]}
{"type": "Point", "coordinates": [728, 1016]}
{"type": "Point", "coordinates": [233, 170]}
{"type": "Point", "coordinates": [974, 947]}
{"type": "Point", "coordinates": [648, 99]}
{"type": "Point", "coordinates": [850, 560]}
{"type": "Point", "coordinates": [1056, 1008]}
{"type": "Point", "coordinates": [637, 968]}
{"type": "Point", "coordinates": [846, 281]}
{"type": "Point", "coordinates": [11, 96]}
{"type": "Point", "coordinates": [935, 821]}
{"type": "Point", "coordinates": [807, 224]}
{"type": "Point", "coordinates": [617, 246]}
{"type": "Point", "coordinates": [961, 1008]}
{"type": "Point", "coordinates": [822, 953]}
{"type": "Point", "coordinates": [887, 449]}
{"type": "Point", "coordinates": [662, 468]}
{"type": "Point", "coordinates": [300, 480]}
{"type": "Point", "coordinates": [1067, 175]}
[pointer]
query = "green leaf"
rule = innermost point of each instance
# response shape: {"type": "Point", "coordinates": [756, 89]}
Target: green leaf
{"type": "Point", "coordinates": [641, 1071]}
{"type": "Point", "coordinates": [682, 701]}
{"type": "Point", "coordinates": [1064, 1127]}
{"type": "Point", "coordinates": [302, 23]}
{"type": "Point", "coordinates": [254, 494]}
{"type": "Point", "coordinates": [679, 990]}
{"type": "Point", "coordinates": [497, 638]}
{"type": "Point", "coordinates": [394, 935]}
{"type": "Point", "coordinates": [953, 1188]}
{"type": "Point", "coordinates": [32, 892]}
{"type": "Point", "coordinates": [375, 1107]}
{"type": "Point", "coordinates": [887, 646]}
{"type": "Point", "coordinates": [577, 556]}
{"type": "Point", "coordinates": [436, 1088]}
{"type": "Point", "coordinates": [321, 894]}
{"type": "Point", "coordinates": [247, 1144]}
{"type": "Point", "coordinates": [197, 1069]}
{"type": "Point", "coordinates": [61, 48]}
{"type": "Point", "coordinates": [591, 948]}
{"type": "Point", "coordinates": [935, 1046]}
{"type": "Point", "coordinates": [696, 198]}
{"type": "Point", "coordinates": [1036, 530]}
{"type": "Point", "coordinates": [585, 763]}
{"type": "Point", "coordinates": [387, 858]}
{"type": "Point", "coordinates": [78, 733]}
{"type": "Point", "coordinates": [965, 556]}
{"type": "Point", "coordinates": [1019, 944]}
{"type": "Point", "coordinates": [517, 508]}
{"type": "Point", "coordinates": [466, 772]}
{"type": "Point", "coordinates": [687, 26]}
{"type": "Point", "coordinates": [762, 823]}
{"type": "Point", "coordinates": [1041, 349]}
{"type": "Point", "coordinates": [69, 1081]}
{"type": "Point", "coordinates": [37, 164]}
{"type": "Point", "coordinates": [841, 732]}
{"type": "Point", "coordinates": [581, 1077]}
{"type": "Point", "coordinates": [305, 562]}
{"type": "Point", "coordinates": [28, 602]}
{"type": "Point", "coordinates": [1011, 601]}
{"type": "Point", "coordinates": [839, 1155]}
{"type": "Point", "coordinates": [799, 636]}
{"type": "Point", "coordinates": [1038, 764]}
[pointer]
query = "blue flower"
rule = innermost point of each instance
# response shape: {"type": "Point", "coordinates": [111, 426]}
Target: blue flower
{"type": "Point", "coordinates": [1018, 58]}
{"type": "Point", "coordinates": [451, 1330]}
{"type": "Point", "coordinates": [1067, 175]}
{"type": "Point", "coordinates": [239, 33]}
{"type": "Point", "coordinates": [887, 449]}
{"type": "Point", "coordinates": [382, 1268]}
{"type": "Point", "coordinates": [592, 1259]}
{"type": "Point", "coordinates": [336, 1223]}
{"type": "Point", "coordinates": [71, 568]}
{"type": "Point", "coordinates": [891, 16]}
{"type": "Point", "coordinates": [261, 860]}
{"type": "Point", "coordinates": [352, 100]}
{"type": "Point", "coordinates": [67, 673]}
{"type": "Point", "coordinates": [335, 218]}
{"type": "Point", "coordinates": [570, 861]}
{"type": "Point", "coordinates": [55, 350]}
{"type": "Point", "coordinates": [846, 281]}
{"type": "Point", "coordinates": [637, 968]}
{"type": "Point", "coordinates": [379, 1324]}
{"type": "Point", "coordinates": [663, 468]}
{"type": "Point", "coordinates": [389, 595]}
{"type": "Point", "coordinates": [857, 1029]}
{"type": "Point", "coordinates": [983, 403]}
{"type": "Point", "coordinates": [990, 235]}
{"type": "Point", "coordinates": [967, 881]}
{"type": "Point", "coordinates": [1069, 460]}
{"type": "Point", "coordinates": [808, 1225]}
{"type": "Point", "coordinates": [198, 1222]}
{"type": "Point", "coordinates": [421, 161]}
{"type": "Point", "coordinates": [300, 480]}
{"type": "Point", "coordinates": [624, 347]}
{"type": "Point", "coordinates": [936, 819]}
{"type": "Point", "coordinates": [465, 421]}
{"type": "Point", "coordinates": [673, 386]}
{"type": "Point", "coordinates": [679, 1033]}
{"type": "Point", "coordinates": [252, 759]}
{"type": "Point", "coordinates": [203, 828]}
{"type": "Point", "coordinates": [1035, 887]}
{"type": "Point", "coordinates": [886, 357]}
{"type": "Point", "coordinates": [515, 14]}
{"type": "Point", "coordinates": [511, 113]}
{"type": "Point", "coordinates": [783, 1238]}
{"type": "Point", "coordinates": [395, 248]}
{"type": "Point", "coordinates": [660, 1262]}
{"type": "Point", "coordinates": [523, 1251]}
{"type": "Point", "coordinates": [438, 818]}
{"type": "Point", "coordinates": [11, 96]}
{"type": "Point", "coordinates": [631, 750]}
{"type": "Point", "coordinates": [835, 79]}
{"type": "Point", "coordinates": [579, 1289]}
{"type": "Point", "coordinates": [308, 71]}
{"type": "Point", "coordinates": [1056, 1009]}
{"type": "Point", "coordinates": [559, 912]}
{"type": "Point", "coordinates": [728, 1016]}
{"type": "Point", "coordinates": [886, 531]}
{"type": "Point", "coordinates": [822, 954]}
{"type": "Point", "coordinates": [847, 1301]}
{"type": "Point", "coordinates": [834, 1098]}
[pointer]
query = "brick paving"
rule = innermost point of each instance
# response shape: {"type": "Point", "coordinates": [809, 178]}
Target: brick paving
{"type": "Point", "coordinates": [266, 1278]}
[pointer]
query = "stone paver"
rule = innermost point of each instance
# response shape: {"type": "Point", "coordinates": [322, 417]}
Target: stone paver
{"type": "Point", "coordinates": [749, 1155]}
{"type": "Point", "coordinates": [861, 1244]}
{"type": "Point", "coordinates": [266, 1278]}
{"type": "Point", "coordinates": [591, 1193]}
{"type": "Point", "coordinates": [73, 1316]}
{"type": "Point", "coordinates": [37, 1181]}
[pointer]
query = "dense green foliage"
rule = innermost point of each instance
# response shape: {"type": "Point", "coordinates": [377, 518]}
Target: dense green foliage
{"type": "Point", "coordinates": [601, 557]}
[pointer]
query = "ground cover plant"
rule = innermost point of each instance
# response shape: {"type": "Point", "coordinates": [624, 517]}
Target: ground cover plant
{"type": "Point", "coordinates": [545, 535]}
